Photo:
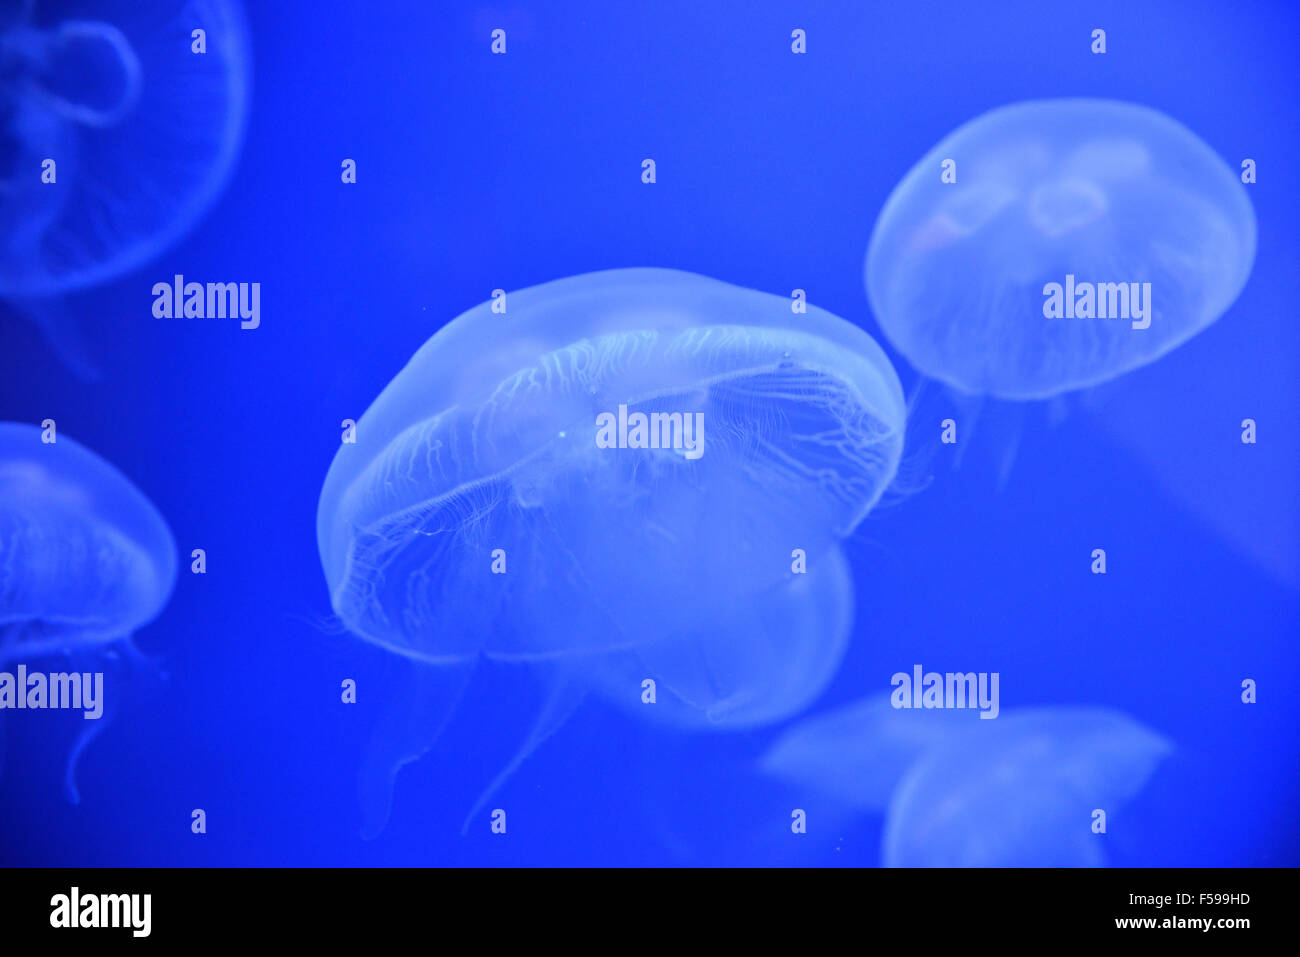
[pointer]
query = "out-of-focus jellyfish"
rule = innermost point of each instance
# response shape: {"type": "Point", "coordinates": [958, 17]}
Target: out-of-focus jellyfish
{"type": "Point", "coordinates": [141, 132]}
{"type": "Point", "coordinates": [1048, 246]}
{"type": "Point", "coordinates": [959, 791]}
{"type": "Point", "coordinates": [498, 501]}
{"type": "Point", "coordinates": [85, 560]}
{"type": "Point", "coordinates": [1021, 791]}
{"type": "Point", "coordinates": [857, 754]}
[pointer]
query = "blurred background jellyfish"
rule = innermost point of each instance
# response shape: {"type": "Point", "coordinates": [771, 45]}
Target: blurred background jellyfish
{"type": "Point", "coordinates": [505, 499]}
{"type": "Point", "coordinates": [1051, 245]}
{"type": "Point", "coordinates": [1020, 790]}
{"type": "Point", "coordinates": [85, 562]}
{"type": "Point", "coordinates": [856, 755]}
{"type": "Point", "coordinates": [119, 124]}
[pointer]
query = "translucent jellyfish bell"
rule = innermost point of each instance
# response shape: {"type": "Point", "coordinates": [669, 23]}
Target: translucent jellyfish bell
{"type": "Point", "coordinates": [1021, 791]}
{"type": "Point", "coordinates": [143, 132]}
{"type": "Point", "coordinates": [1098, 190]}
{"type": "Point", "coordinates": [747, 662]}
{"type": "Point", "coordinates": [857, 754]}
{"type": "Point", "coordinates": [85, 558]}
{"type": "Point", "coordinates": [479, 513]}
{"type": "Point", "coordinates": [959, 790]}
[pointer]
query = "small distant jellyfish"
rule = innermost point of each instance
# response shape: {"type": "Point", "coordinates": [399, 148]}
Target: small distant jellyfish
{"type": "Point", "coordinates": [140, 134]}
{"type": "Point", "coordinates": [632, 554]}
{"type": "Point", "coordinates": [85, 562]}
{"type": "Point", "coordinates": [1099, 198]}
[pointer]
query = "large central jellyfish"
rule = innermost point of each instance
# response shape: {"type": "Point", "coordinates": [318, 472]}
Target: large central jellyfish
{"type": "Point", "coordinates": [119, 124]}
{"type": "Point", "coordinates": [517, 493]}
{"type": "Point", "coordinates": [85, 558]}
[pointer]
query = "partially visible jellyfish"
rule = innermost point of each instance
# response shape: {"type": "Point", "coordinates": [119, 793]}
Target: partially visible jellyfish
{"type": "Point", "coordinates": [752, 658]}
{"type": "Point", "coordinates": [1022, 791]}
{"type": "Point", "coordinates": [1078, 207]}
{"type": "Point", "coordinates": [85, 561]}
{"type": "Point", "coordinates": [480, 513]}
{"type": "Point", "coordinates": [142, 131]}
{"type": "Point", "coordinates": [960, 791]}
{"type": "Point", "coordinates": [857, 754]}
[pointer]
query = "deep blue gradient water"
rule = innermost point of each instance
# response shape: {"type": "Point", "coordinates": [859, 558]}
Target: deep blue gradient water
{"type": "Point", "coordinates": [478, 172]}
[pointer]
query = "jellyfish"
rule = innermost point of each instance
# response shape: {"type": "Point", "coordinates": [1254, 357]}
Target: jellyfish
{"type": "Point", "coordinates": [1048, 246]}
{"type": "Point", "coordinates": [1023, 789]}
{"type": "Point", "coordinates": [119, 125]}
{"type": "Point", "coordinates": [1029, 790]}
{"type": "Point", "coordinates": [857, 754]}
{"type": "Point", "coordinates": [86, 561]}
{"type": "Point", "coordinates": [502, 501]}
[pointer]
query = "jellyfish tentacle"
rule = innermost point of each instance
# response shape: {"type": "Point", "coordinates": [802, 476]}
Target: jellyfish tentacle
{"type": "Point", "coordinates": [561, 701]}
{"type": "Point", "coordinates": [969, 407]}
{"type": "Point", "coordinates": [124, 663]}
{"type": "Point", "coordinates": [412, 722]}
{"type": "Point", "coordinates": [137, 661]}
{"type": "Point", "coordinates": [915, 470]}
{"type": "Point", "coordinates": [92, 731]}
{"type": "Point", "coordinates": [1016, 415]}
{"type": "Point", "coordinates": [729, 705]}
{"type": "Point", "coordinates": [325, 624]}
